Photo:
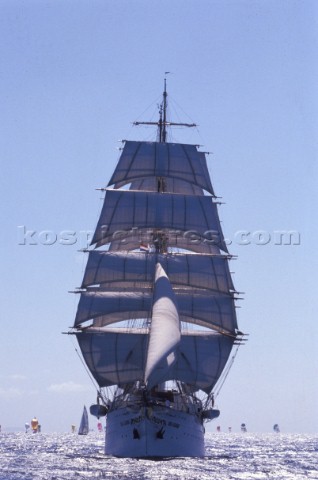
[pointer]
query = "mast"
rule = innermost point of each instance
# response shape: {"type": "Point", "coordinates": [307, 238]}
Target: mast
{"type": "Point", "coordinates": [162, 123]}
{"type": "Point", "coordinates": [159, 238]}
{"type": "Point", "coordinates": [163, 133]}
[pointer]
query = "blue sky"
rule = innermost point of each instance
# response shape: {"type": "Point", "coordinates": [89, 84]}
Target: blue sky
{"type": "Point", "coordinates": [74, 74]}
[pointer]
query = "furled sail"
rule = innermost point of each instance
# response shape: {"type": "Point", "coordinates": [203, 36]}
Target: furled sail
{"type": "Point", "coordinates": [164, 335]}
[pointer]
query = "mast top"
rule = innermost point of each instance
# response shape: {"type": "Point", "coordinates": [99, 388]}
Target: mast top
{"type": "Point", "coordinates": [162, 123]}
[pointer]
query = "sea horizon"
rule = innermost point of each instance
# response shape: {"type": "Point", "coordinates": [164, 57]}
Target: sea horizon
{"type": "Point", "coordinates": [246, 456]}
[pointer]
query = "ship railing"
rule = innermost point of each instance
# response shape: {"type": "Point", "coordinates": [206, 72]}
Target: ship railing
{"type": "Point", "coordinates": [180, 402]}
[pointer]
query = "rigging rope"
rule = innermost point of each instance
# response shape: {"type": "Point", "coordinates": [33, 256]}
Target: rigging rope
{"type": "Point", "coordinates": [87, 371]}
{"type": "Point", "coordinates": [226, 372]}
{"type": "Point", "coordinates": [85, 367]}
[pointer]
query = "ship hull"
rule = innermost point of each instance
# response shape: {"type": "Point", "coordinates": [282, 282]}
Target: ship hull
{"type": "Point", "coordinates": [154, 431]}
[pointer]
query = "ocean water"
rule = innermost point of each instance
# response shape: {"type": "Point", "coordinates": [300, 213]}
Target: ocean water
{"type": "Point", "coordinates": [228, 456]}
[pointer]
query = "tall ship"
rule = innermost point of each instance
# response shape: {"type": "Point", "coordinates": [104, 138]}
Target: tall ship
{"type": "Point", "coordinates": [156, 319]}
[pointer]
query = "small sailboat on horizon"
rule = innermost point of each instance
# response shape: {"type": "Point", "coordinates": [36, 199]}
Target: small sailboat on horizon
{"type": "Point", "coordinates": [35, 426]}
{"type": "Point", "coordinates": [84, 426]}
{"type": "Point", "coordinates": [243, 428]}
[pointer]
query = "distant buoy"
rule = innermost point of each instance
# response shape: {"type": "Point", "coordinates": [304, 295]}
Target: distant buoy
{"type": "Point", "coordinates": [218, 428]}
{"type": "Point", "coordinates": [276, 428]}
